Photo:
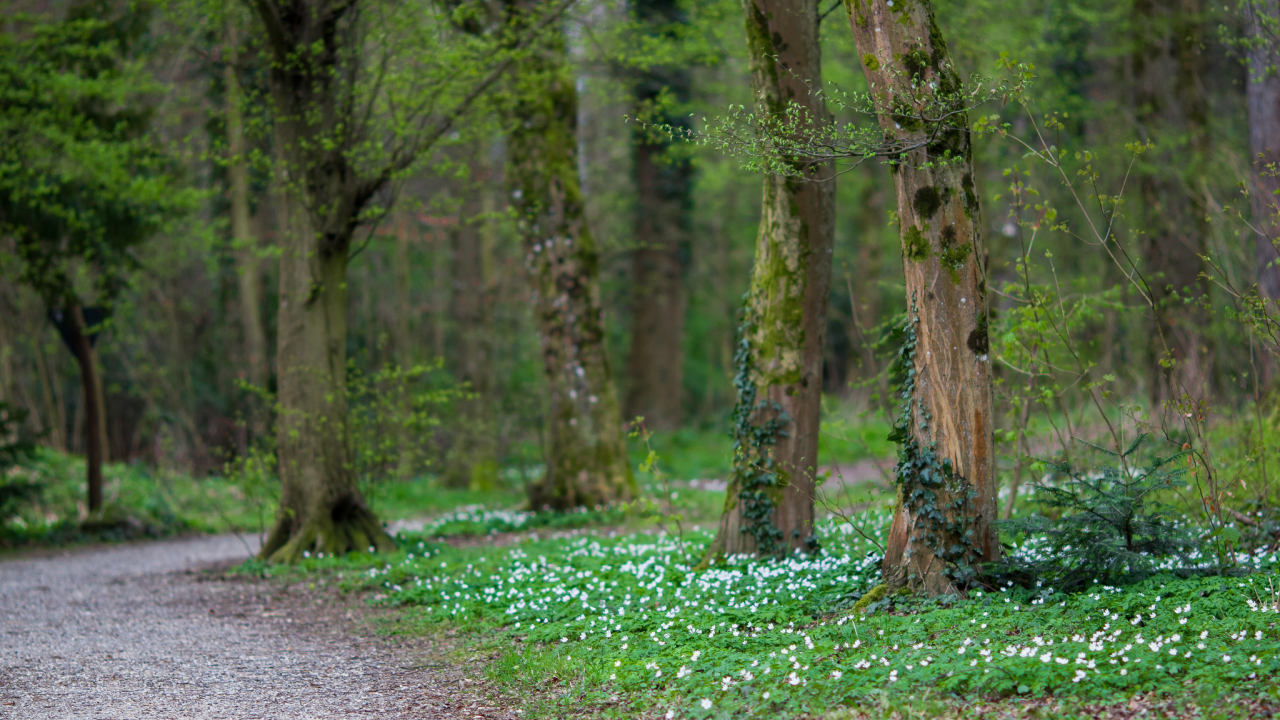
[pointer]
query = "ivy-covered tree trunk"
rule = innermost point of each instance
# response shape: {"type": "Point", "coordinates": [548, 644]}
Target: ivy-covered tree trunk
{"type": "Point", "coordinates": [585, 453]}
{"type": "Point", "coordinates": [321, 508]}
{"type": "Point", "coordinates": [1263, 94]}
{"type": "Point", "coordinates": [664, 185]}
{"type": "Point", "coordinates": [769, 504]}
{"type": "Point", "coordinates": [945, 472]}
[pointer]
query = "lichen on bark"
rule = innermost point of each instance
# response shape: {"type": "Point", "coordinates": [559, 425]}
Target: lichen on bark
{"type": "Point", "coordinates": [585, 453]}
{"type": "Point", "coordinates": [769, 503]}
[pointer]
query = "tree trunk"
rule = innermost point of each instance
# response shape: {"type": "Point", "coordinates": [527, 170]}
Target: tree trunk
{"type": "Point", "coordinates": [769, 504]}
{"type": "Point", "coordinates": [1263, 95]}
{"type": "Point", "coordinates": [321, 508]}
{"type": "Point", "coordinates": [664, 185]}
{"type": "Point", "coordinates": [242, 236]}
{"type": "Point", "coordinates": [585, 455]}
{"type": "Point", "coordinates": [321, 196]}
{"type": "Point", "coordinates": [1169, 101]}
{"type": "Point", "coordinates": [945, 473]}
{"type": "Point", "coordinates": [94, 421]}
{"type": "Point", "coordinates": [473, 462]}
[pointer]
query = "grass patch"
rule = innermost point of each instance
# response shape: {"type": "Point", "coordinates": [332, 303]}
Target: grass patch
{"type": "Point", "coordinates": [138, 501]}
{"type": "Point", "coordinates": [617, 625]}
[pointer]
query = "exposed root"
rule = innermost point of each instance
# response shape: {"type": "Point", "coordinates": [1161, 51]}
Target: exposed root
{"type": "Point", "coordinates": [355, 529]}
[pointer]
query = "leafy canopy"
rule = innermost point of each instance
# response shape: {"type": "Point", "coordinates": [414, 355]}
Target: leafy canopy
{"type": "Point", "coordinates": [82, 179]}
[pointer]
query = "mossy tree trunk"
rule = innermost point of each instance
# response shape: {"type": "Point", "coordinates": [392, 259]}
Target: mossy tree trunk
{"type": "Point", "coordinates": [321, 508]}
{"type": "Point", "coordinates": [945, 473]}
{"type": "Point", "coordinates": [664, 203]}
{"type": "Point", "coordinates": [585, 453]}
{"type": "Point", "coordinates": [769, 504]}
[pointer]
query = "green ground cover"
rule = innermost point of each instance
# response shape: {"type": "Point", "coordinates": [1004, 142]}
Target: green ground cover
{"type": "Point", "coordinates": [627, 628]}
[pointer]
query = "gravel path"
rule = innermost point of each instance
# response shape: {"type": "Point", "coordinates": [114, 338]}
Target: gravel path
{"type": "Point", "coordinates": [148, 631]}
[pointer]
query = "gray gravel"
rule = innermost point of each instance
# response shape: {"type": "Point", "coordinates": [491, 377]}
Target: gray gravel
{"type": "Point", "coordinates": [150, 631]}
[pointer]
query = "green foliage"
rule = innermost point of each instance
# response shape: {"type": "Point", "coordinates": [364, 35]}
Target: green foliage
{"type": "Point", "coordinates": [83, 181]}
{"type": "Point", "coordinates": [1113, 526]}
{"type": "Point", "coordinates": [389, 408]}
{"type": "Point", "coordinates": [138, 502]}
{"type": "Point", "coordinates": [757, 425]}
{"type": "Point", "coordinates": [15, 450]}
{"type": "Point", "coordinates": [627, 627]}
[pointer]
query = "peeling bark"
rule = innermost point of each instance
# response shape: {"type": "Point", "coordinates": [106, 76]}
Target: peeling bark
{"type": "Point", "coordinates": [944, 261]}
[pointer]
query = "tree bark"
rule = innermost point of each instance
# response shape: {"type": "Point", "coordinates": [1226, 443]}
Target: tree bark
{"type": "Point", "coordinates": [94, 421]}
{"type": "Point", "coordinates": [664, 202]}
{"type": "Point", "coordinates": [1263, 98]}
{"type": "Point", "coordinates": [243, 240]}
{"type": "Point", "coordinates": [946, 452]}
{"type": "Point", "coordinates": [321, 508]}
{"type": "Point", "coordinates": [473, 462]}
{"type": "Point", "coordinates": [585, 455]}
{"type": "Point", "coordinates": [1169, 100]}
{"type": "Point", "coordinates": [321, 195]}
{"type": "Point", "coordinates": [769, 504]}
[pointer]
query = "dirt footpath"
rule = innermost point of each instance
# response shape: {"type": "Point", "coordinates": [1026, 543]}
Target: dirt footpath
{"type": "Point", "coordinates": [152, 630]}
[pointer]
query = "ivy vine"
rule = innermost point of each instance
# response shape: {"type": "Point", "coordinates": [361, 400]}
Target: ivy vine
{"type": "Point", "coordinates": [923, 477]}
{"type": "Point", "coordinates": [754, 468]}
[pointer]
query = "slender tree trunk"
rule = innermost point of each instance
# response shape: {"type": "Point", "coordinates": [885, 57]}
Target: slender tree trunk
{"type": "Point", "coordinates": [439, 289]}
{"type": "Point", "coordinates": [93, 415]}
{"type": "Point", "coordinates": [473, 463]}
{"type": "Point", "coordinates": [586, 460]}
{"type": "Point", "coordinates": [1263, 96]}
{"type": "Point", "coordinates": [1169, 99]}
{"type": "Point", "coordinates": [242, 236]}
{"type": "Point", "coordinates": [769, 504]}
{"type": "Point", "coordinates": [664, 184]}
{"type": "Point", "coordinates": [945, 473]}
{"type": "Point", "coordinates": [402, 342]}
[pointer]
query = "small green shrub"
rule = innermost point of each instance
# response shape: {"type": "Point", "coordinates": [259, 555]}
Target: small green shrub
{"type": "Point", "coordinates": [1112, 526]}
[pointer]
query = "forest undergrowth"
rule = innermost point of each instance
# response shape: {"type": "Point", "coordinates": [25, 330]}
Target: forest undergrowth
{"type": "Point", "coordinates": [609, 624]}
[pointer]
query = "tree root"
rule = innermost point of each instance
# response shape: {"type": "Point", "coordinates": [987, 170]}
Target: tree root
{"type": "Point", "coordinates": [357, 531]}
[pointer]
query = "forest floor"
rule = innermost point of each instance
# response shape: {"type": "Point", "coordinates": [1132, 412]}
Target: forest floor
{"type": "Point", "coordinates": [157, 630]}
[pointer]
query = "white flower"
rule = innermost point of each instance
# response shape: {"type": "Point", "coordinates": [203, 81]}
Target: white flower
{"type": "Point", "coordinates": [836, 674]}
{"type": "Point", "coordinates": [1124, 671]}
{"type": "Point", "coordinates": [765, 696]}
{"type": "Point", "coordinates": [1226, 658]}
{"type": "Point", "coordinates": [706, 704]}
{"type": "Point", "coordinates": [617, 663]}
